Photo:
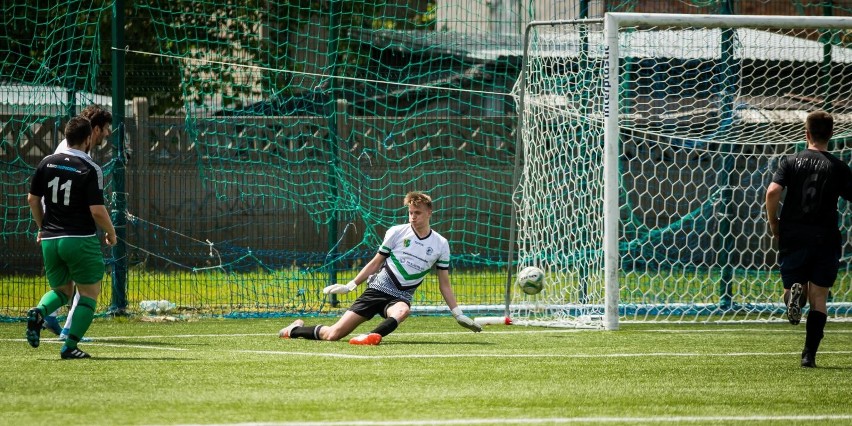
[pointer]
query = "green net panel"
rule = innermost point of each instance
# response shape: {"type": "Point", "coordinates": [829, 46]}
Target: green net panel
{"type": "Point", "coordinates": [270, 144]}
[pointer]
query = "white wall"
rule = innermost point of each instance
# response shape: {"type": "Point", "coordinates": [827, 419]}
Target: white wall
{"type": "Point", "coordinates": [469, 16]}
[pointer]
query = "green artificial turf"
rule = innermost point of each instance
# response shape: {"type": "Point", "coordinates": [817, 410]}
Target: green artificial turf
{"type": "Point", "coordinates": [430, 371]}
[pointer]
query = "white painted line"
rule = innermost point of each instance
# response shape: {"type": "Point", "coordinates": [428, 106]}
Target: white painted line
{"type": "Point", "coordinates": [536, 355]}
{"type": "Point", "coordinates": [112, 345]}
{"type": "Point", "coordinates": [508, 331]}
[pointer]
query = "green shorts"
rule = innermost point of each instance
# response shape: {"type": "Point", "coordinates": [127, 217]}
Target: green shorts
{"type": "Point", "coordinates": [73, 258]}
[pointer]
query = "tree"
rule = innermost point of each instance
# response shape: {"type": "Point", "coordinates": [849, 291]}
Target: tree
{"type": "Point", "coordinates": [183, 51]}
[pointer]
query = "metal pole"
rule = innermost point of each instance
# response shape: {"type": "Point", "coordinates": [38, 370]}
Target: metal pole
{"type": "Point", "coordinates": [827, 38]}
{"type": "Point", "coordinates": [119, 218]}
{"type": "Point", "coordinates": [726, 241]}
{"type": "Point", "coordinates": [611, 175]}
{"type": "Point", "coordinates": [333, 142]}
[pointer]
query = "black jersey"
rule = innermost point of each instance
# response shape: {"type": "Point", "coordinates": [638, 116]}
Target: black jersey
{"type": "Point", "coordinates": [68, 182]}
{"type": "Point", "coordinates": [814, 181]}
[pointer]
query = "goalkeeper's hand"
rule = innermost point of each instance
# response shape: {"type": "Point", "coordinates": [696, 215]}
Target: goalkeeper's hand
{"type": "Point", "coordinates": [465, 321]}
{"type": "Point", "coordinates": [340, 288]}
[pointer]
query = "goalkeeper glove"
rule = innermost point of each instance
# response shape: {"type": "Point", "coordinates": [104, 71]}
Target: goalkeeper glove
{"type": "Point", "coordinates": [340, 288]}
{"type": "Point", "coordinates": [465, 321]}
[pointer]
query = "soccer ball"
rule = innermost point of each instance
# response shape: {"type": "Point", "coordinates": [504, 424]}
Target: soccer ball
{"type": "Point", "coordinates": [531, 280]}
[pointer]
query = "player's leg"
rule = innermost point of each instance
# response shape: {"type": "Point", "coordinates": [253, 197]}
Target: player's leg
{"type": "Point", "coordinates": [59, 278]}
{"type": "Point", "coordinates": [82, 318]}
{"type": "Point", "coordinates": [51, 322]}
{"type": "Point", "coordinates": [825, 261]}
{"type": "Point", "coordinates": [794, 276]}
{"type": "Point", "coordinates": [394, 316]}
{"type": "Point", "coordinates": [85, 261]}
{"type": "Point", "coordinates": [348, 322]}
{"type": "Point", "coordinates": [66, 329]}
{"type": "Point", "coordinates": [815, 324]}
{"type": "Point", "coordinates": [396, 311]}
{"type": "Point", "coordinates": [345, 325]}
{"type": "Point", "coordinates": [793, 300]}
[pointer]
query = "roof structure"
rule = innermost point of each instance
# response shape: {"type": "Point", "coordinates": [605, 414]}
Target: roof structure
{"type": "Point", "coordinates": [684, 43]}
{"type": "Point", "coordinates": [49, 100]}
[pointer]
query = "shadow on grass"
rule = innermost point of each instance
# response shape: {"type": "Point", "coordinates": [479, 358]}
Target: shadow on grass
{"type": "Point", "coordinates": [832, 368]}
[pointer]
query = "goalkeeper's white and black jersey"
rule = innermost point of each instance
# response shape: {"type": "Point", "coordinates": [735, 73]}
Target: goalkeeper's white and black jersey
{"type": "Point", "coordinates": [409, 259]}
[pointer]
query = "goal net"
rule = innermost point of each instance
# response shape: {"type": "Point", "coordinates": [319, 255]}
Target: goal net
{"type": "Point", "coordinates": [647, 142]}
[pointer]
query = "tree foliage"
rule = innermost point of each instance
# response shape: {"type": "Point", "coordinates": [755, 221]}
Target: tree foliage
{"type": "Point", "coordinates": [179, 52]}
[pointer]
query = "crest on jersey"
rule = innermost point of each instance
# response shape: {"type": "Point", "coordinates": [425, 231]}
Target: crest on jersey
{"type": "Point", "coordinates": [406, 242]}
{"type": "Point", "coordinates": [429, 251]}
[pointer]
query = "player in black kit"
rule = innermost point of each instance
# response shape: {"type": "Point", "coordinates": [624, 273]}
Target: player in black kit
{"type": "Point", "coordinates": [809, 239]}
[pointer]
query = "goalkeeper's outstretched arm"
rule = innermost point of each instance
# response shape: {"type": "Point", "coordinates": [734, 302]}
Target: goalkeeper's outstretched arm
{"type": "Point", "coordinates": [374, 266]}
{"type": "Point", "coordinates": [450, 298]}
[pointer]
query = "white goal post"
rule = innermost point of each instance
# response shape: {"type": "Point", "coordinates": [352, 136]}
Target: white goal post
{"type": "Point", "coordinates": [645, 144]}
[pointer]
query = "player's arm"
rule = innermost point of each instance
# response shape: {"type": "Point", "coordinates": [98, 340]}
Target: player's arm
{"type": "Point", "coordinates": [450, 298]}
{"type": "Point", "coordinates": [372, 267]}
{"type": "Point", "coordinates": [773, 199]}
{"type": "Point", "coordinates": [35, 208]}
{"type": "Point", "coordinates": [38, 214]}
{"type": "Point", "coordinates": [102, 219]}
{"type": "Point", "coordinates": [34, 199]}
{"type": "Point", "coordinates": [846, 185]}
{"type": "Point", "coordinates": [94, 188]}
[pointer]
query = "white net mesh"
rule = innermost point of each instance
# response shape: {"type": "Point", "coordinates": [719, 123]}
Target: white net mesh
{"type": "Point", "coordinates": [703, 116]}
{"type": "Point", "coordinates": [559, 221]}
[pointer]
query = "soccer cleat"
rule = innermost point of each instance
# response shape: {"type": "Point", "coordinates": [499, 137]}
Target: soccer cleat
{"type": "Point", "coordinates": [73, 353]}
{"type": "Point", "coordinates": [34, 324]}
{"type": "Point", "coordinates": [284, 333]}
{"type": "Point", "coordinates": [803, 301]}
{"type": "Point", "coordinates": [794, 307]}
{"type": "Point", "coordinates": [808, 359]}
{"type": "Point", "coordinates": [52, 324]}
{"type": "Point", "coordinates": [366, 339]}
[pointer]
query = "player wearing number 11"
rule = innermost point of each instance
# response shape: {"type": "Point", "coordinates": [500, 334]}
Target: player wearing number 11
{"type": "Point", "coordinates": [408, 252]}
{"type": "Point", "coordinates": [71, 186]}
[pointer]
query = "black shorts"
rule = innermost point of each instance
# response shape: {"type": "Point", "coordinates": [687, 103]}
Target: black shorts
{"type": "Point", "coordinates": [808, 256]}
{"type": "Point", "coordinates": [373, 302]}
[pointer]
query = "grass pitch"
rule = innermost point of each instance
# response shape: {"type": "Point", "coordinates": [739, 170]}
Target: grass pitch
{"type": "Point", "coordinates": [430, 371]}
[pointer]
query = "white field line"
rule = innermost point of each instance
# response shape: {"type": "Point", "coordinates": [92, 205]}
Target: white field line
{"type": "Point", "coordinates": [495, 331]}
{"type": "Point", "coordinates": [536, 355]}
{"type": "Point", "coordinates": [562, 420]}
{"type": "Point", "coordinates": [517, 330]}
{"type": "Point", "coordinates": [99, 343]}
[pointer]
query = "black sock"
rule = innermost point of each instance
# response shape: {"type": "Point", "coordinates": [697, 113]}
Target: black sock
{"type": "Point", "coordinates": [814, 327]}
{"type": "Point", "coordinates": [386, 327]}
{"type": "Point", "coordinates": [311, 332]}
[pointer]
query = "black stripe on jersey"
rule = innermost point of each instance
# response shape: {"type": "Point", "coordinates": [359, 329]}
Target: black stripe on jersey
{"type": "Point", "coordinates": [395, 281]}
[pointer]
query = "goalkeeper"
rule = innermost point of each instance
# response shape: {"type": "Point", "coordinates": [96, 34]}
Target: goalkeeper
{"type": "Point", "coordinates": [406, 255]}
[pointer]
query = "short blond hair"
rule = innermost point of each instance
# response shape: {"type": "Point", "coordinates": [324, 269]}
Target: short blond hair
{"type": "Point", "coordinates": [417, 198]}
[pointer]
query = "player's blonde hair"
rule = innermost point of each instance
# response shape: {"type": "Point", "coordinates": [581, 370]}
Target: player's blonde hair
{"type": "Point", "coordinates": [417, 198]}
